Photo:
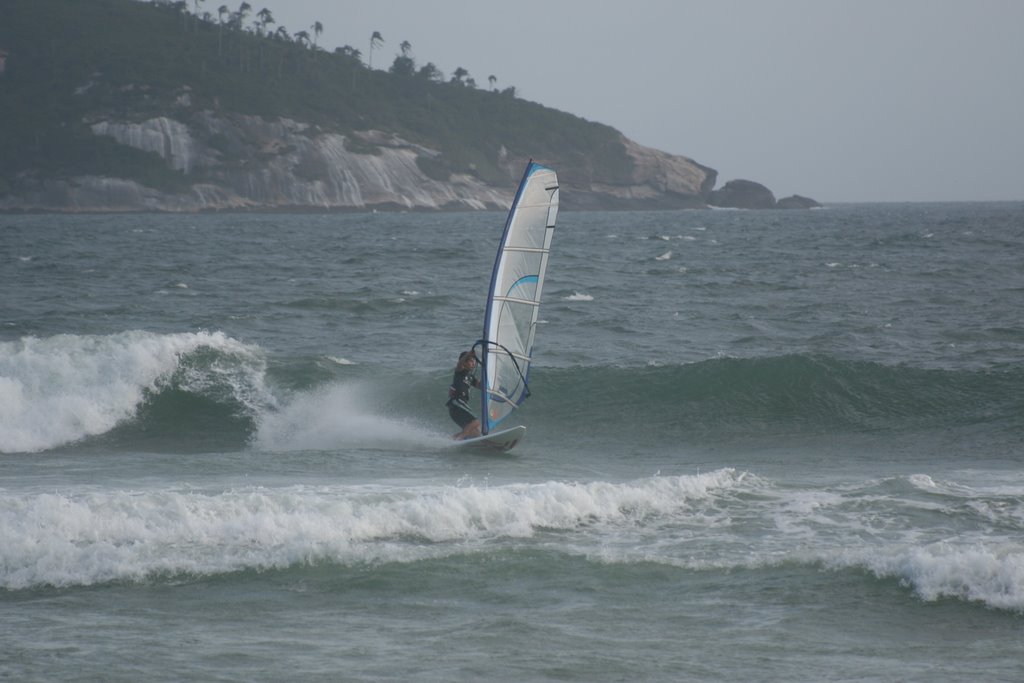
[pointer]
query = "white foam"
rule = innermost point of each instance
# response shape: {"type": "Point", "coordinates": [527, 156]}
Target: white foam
{"type": "Point", "coordinates": [716, 521]}
{"type": "Point", "coordinates": [90, 537]}
{"type": "Point", "coordinates": [578, 296]}
{"type": "Point", "coordinates": [61, 389]}
{"type": "Point", "coordinates": [981, 491]}
{"type": "Point", "coordinates": [991, 572]}
{"type": "Point", "coordinates": [800, 510]}
{"type": "Point", "coordinates": [664, 257]}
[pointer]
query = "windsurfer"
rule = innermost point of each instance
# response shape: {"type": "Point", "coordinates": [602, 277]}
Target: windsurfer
{"type": "Point", "coordinates": [458, 396]}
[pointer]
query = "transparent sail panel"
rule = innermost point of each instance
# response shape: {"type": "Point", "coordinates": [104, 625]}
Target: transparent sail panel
{"type": "Point", "coordinates": [514, 298]}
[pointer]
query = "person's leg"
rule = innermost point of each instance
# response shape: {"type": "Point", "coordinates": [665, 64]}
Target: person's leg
{"type": "Point", "coordinates": [469, 431]}
{"type": "Point", "coordinates": [465, 419]}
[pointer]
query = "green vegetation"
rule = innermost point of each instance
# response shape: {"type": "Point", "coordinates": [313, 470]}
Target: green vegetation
{"type": "Point", "coordinates": [71, 63]}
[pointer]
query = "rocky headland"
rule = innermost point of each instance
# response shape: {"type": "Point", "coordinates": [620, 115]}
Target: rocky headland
{"type": "Point", "coordinates": [244, 162]}
{"type": "Point", "coordinates": [234, 162]}
{"type": "Point", "coordinates": [119, 105]}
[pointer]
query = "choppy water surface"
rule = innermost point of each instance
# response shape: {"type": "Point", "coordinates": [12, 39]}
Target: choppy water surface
{"type": "Point", "coordinates": [762, 446]}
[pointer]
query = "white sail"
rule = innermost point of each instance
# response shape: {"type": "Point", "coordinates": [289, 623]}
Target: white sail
{"type": "Point", "coordinates": [513, 302]}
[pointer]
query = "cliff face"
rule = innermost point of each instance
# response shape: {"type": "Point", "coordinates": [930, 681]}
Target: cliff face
{"type": "Point", "coordinates": [659, 181]}
{"type": "Point", "coordinates": [234, 162]}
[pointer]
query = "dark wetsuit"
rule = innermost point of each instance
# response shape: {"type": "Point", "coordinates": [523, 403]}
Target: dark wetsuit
{"type": "Point", "coordinates": [458, 401]}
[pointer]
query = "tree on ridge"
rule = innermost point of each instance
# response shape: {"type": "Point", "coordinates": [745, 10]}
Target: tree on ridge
{"type": "Point", "coordinates": [376, 40]}
{"type": "Point", "coordinates": [318, 28]}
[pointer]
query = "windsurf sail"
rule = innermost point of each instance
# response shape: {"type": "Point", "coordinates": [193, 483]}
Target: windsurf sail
{"type": "Point", "coordinates": [513, 302]}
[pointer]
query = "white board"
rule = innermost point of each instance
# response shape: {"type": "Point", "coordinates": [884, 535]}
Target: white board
{"type": "Point", "coordinates": [505, 440]}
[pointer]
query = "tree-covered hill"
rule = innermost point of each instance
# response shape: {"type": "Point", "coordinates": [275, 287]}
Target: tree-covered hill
{"type": "Point", "coordinates": [71, 63]}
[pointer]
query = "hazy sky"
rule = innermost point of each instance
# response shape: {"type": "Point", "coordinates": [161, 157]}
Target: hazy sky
{"type": "Point", "coordinates": [840, 100]}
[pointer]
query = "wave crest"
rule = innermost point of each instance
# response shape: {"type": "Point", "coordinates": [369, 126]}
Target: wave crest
{"type": "Point", "coordinates": [798, 392]}
{"type": "Point", "coordinates": [61, 389]}
{"type": "Point", "coordinates": [102, 536]}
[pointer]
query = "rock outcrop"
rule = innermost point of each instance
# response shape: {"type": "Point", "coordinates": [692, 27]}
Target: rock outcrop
{"type": "Point", "coordinates": [746, 194]}
{"type": "Point", "coordinates": [659, 181]}
{"type": "Point", "coordinates": [797, 202]}
{"type": "Point", "coordinates": [742, 194]}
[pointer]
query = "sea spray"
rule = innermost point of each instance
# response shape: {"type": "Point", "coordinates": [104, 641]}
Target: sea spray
{"type": "Point", "coordinates": [342, 415]}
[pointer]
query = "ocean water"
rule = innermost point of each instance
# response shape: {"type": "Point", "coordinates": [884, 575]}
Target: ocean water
{"type": "Point", "coordinates": [762, 446]}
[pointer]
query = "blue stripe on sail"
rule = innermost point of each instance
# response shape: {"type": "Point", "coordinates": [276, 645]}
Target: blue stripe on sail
{"type": "Point", "coordinates": [522, 281]}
